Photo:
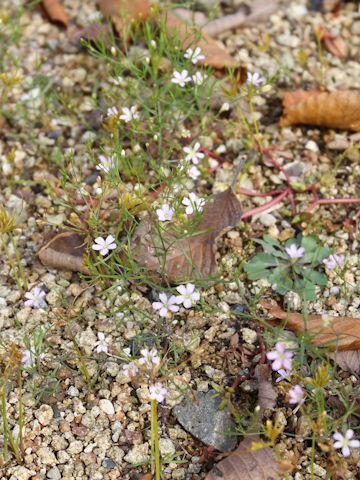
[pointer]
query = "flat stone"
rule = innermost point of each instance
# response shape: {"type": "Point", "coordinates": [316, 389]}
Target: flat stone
{"type": "Point", "coordinates": [138, 454]}
{"type": "Point", "coordinates": [106, 406]}
{"type": "Point", "coordinates": [54, 473]}
{"type": "Point", "coordinates": [108, 463]}
{"type": "Point", "coordinates": [206, 422]}
{"type": "Point", "coordinates": [44, 414]}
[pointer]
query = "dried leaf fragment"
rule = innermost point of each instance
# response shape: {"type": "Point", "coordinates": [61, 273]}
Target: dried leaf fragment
{"type": "Point", "coordinates": [259, 464]}
{"type": "Point", "coordinates": [319, 107]}
{"type": "Point", "coordinates": [64, 250]}
{"type": "Point", "coordinates": [266, 394]}
{"type": "Point", "coordinates": [342, 334]}
{"type": "Point", "coordinates": [55, 12]}
{"type": "Point", "coordinates": [336, 46]}
{"type": "Point", "coordinates": [125, 13]}
{"type": "Point", "coordinates": [215, 56]}
{"type": "Point", "coordinates": [193, 257]}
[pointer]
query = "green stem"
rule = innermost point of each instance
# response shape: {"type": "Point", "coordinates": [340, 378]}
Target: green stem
{"type": "Point", "coordinates": [5, 425]}
{"type": "Point", "coordinates": [20, 436]}
{"type": "Point", "coordinates": [155, 439]}
{"type": "Point", "coordinates": [19, 261]}
{"type": "Point", "coordinates": [83, 369]}
{"type": "Point", "coordinates": [258, 139]}
{"type": "Point", "coordinates": [312, 456]}
{"type": "Point", "coordinates": [11, 264]}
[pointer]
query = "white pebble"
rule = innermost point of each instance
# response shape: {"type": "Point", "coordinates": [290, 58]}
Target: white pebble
{"type": "Point", "coordinates": [106, 406]}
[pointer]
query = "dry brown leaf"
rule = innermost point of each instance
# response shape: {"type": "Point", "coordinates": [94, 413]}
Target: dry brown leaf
{"type": "Point", "coordinates": [266, 394]}
{"type": "Point", "coordinates": [64, 250]}
{"type": "Point", "coordinates": [322, 108]}
{"type": "Point", "coordinates": [125, 13]}
{"type": "Point", "coordinates": [348, 361]}
{"type": "Point", "coordinates": [336, 46]}
{"type": "Point", "coordinates": [54, 11]}
{"type": "Point", "coordinates": [342, 334]}
{"type": "Point", "coordinates": [259, 464]}
{"type": "Point", "coordinates": [215, 56]}
{"type": "Point", "coordinates": [224, 210]}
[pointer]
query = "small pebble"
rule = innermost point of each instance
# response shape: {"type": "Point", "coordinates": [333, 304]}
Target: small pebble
{"type": "Point", "coordinates": [106, 406]}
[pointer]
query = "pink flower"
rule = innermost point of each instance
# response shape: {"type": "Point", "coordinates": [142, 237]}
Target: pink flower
{"type": "Point", "coordinates": [149, 358]}
{"type": "Point", "coordinates": [296, 395]}
{"type": "Point", "coordinates": [34, 297]}
{"type": "Point", "coordinates": [30, 356]}
{"type": "Point", "coordinates": [193, 203]}
{"type": "Point", "coordinates": [112, 112]}
{"type": "Point", "coordinates": [106, 163]}
{"type": "Point", "coordinates": [129, 114]}
{"type": "Point", "coordinates": [334, 261]}
{"type": "Point", "coordinates": [130, 369]}
{"type": "Point", "coordinates": [284, 375]}
{"type": "Point", "coordinates": [187, 295]}
{"type": "Point", "coordinates": [295, 252]}
{"type": "Point", "coordinates": [104, 245]}
{"type": "Point", "coordinates": [193, 172]}
{"type": "Point", "coordinates": [255, 79]}
{"type": "Point", "coordinates": [165, 304]}
{"type": "Point", "coordinates": [158, 392]}
{"type": "Point", "coordinates": [281, 359]}
{"type": "Point", "coordinates": [345, 442]}
{"type": "Point", "coordinates": [165, 213]}
{"type": "Point", "coordinates": [118, 81]}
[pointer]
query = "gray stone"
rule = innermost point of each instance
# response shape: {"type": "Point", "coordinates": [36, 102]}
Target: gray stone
{"type": "Point", "coordinates": [54, 473]}
{"type": "Point", "coordinates": [108, 463]}
{"type": "Point", "coordinates": [206, 422]}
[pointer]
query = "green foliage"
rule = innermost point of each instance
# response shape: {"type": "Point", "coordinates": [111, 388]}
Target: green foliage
{"type": "Point", "coordinates": [300, 275]}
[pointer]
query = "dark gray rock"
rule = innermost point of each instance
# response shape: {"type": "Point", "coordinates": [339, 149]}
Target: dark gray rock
{"type": "Point", "coordinates": [206, 422]}
{"type": "Point", "coordinates": [144, 340]}
{"type": "Point", "coordinates": [108, 463]}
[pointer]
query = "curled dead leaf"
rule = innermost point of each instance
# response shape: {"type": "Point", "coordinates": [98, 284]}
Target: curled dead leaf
{"type": "Point", "coordinates": [125, 13]}
{"type": "Point", "coordinates": [342, 334]}
{"type": "Point", "coordinates": [335, 45]}
{"type": "Point", "coordinates": [193, 257]}
{"type": "Point", "coordinates": [64, 250]}
{"type": "Point", "coordinates": [215, 56]}
{"type": "Point", "coordinates": [322, 108]}
{"type": "Point", "coordinates": [54, 11]}
{"type": "Point", "coordinates": [259, 464]}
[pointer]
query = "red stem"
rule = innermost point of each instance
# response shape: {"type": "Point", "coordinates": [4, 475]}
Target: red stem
{"type": "Point", "coordinates": [332, 201]}
{"type": "Point", "coordinates": [267, 205]}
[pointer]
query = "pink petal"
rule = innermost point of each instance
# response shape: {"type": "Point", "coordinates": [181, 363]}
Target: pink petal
{"type": "Point", "coordinates": [163, 297]}
{"type": "Point", "coordinates": [276, 364]}
{"type": "Point", "coordinates": [181, 289]}
{"type": "Point", "coordinates": [163, 312]}
{"type": "Point", "coordinates": [190, 287]}
{"type": "Point", "coordinates": [156, 306]}
{"type": "Point", "coordinates": [338, 436]}
{"type": "Point", "coordinates": [346, 451]}
{"type": "Point", "coordinates": [349, 434]}
{"type": "Point", "coordinates": [187, 303]}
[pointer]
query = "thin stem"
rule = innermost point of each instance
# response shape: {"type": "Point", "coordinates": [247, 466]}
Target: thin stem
{"type": "Point", "coordinates": [12, 264]}
{"type": "Point", "coordinates": [5, 424]}
{"type": "Point", "coordinates": [331, 201]}
{"type": "Point", "coordinates": [83, 369]}
{"type": "Point", "coordinates": [155, 439]}
{"type": "Point", "coordinates": [18, 261]}
{"type": "Point", "coordinates": [258, 137]}
{"type": "Point", "coordinates": [267, 205]}
{"type": "Point", "coordinates": [20, 437]}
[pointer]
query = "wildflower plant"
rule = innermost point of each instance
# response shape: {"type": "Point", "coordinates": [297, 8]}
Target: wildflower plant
{"type": "Point", "coordinates": [297, 267]}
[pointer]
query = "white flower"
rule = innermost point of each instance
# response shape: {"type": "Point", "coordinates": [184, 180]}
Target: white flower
{"type": "Point", "coordinates": [193, 154]}
{"type": "Point", "coordinates": [199, 78]}
{"type": "Point", "coordinates": [187, 295]}
{"type": "Point", "coordinates": [149, 358]}
{"type": "Point", "coordinates": [104, 245]}
{"type": "Point", "coordinates": [193, 203]}
{"type": "Point", "coordinates": [181, 78]}
{"type": "Point", "coordinates": [129, 114]}
{"type": "Point", "coordinates": [101, 345]}
{"type": "Point", "coordinates": [194, 55]}
{"type": "Point", "coordinates": [130, 369]}
{"type": "Point", "coordinates": [106, 163]}
{"type": "Point", "coordinates": [34, 297]}
{"type": "Point", "coordinates": [98, 191]}
{"type": "Point", "coordinates": [165, 304]}
{"type": "Point", "coordinates": [165, 213]}
{"type": "Point", "coordinates": [225, 107]}
{"type": "Point", "coordinates": [158, 392]}
{"type": "Point", "coordinates": [255, 79]}
{"type": "Point", "coordinates": [295, 252]}
{"type": "Point", "coordinates": [112, 112]}
{"type": "Point", "coordinates": [345, 442]}
{"type": "Point", "coordinates": [193, 172]}
{"type": "Point", "coordinates": [29, 356]}
{"type": "Point", "coordinates": [326, 320]}
{"type": "Point", "coordinates": [118, 81]}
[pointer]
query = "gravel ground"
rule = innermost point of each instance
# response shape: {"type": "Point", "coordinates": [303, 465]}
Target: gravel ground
{"type": "Point", "coordinates": [74, 431]}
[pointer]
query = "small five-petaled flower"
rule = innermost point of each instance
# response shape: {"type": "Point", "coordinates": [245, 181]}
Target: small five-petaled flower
{"type": "Point", "coordinates": [165, 213]}
{"type": "Point", "coordinates": [30, 355]}
{"type": "Point", "coordinates": [158, 392]}
{"type": "Point", "coordinates": [130, 369]}
{"type": "Point", "coordinates": [334, 261]}
{"type": "Point", "coordinates": [193, 203]}
{"type": "Point", "coordinates": [34, 297]}
{"type": "Point", "coordinates": [199, 78]}
{"type": "Point", "coordinates": [281, 359]}
{"type": "Point", "coordinates": [149, 358]}
{"type": "Point", "coordinates": [101, 344]}
{"type": "Point", "coordinates": [194, 55]}
{"type": "Point", "coordinates": [255, 79]}
{"type": "Point", "coordinates": [104, 245]}
{"type": "Point", "coordinates": [296, 395]}
{"type": "Point", "coordinates": [187, 295]}
{"type": "Point", "coordinates": [129, 114]}
{"type": "Point", "coordinates": [165, 304]}
{"type": "Point", "coordinates": [181, 78]}
{"type": "Point", "coordinates": [106, 163]}
{"type": "Point", "coordinates": [345, 443]}
{"type": "Point", "coordinates": [193, 154]}
{"type": "Point", "coordinates": [295, 252]}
